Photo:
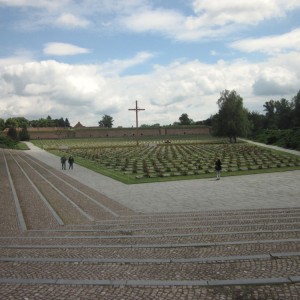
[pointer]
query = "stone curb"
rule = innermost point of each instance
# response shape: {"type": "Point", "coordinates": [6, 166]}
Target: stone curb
{"type": "Point", "coordinates": [137, 236]}
{"type": "Point", "coordinates": [144, 283]}
{"type": "Point", "coordinates": [15, 246]}
{"type": "Point", "coordinates": [155, 228]}
{"type": "Point", "coordinates": [155, 261]}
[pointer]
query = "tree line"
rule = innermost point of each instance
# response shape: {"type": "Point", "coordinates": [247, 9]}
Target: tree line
{"type": "Point", "coordinates": [232, 120]}
{"type": "Point", "coordinates": [21, 122]}
{"type": "Point", "coordinates": [280, 123]}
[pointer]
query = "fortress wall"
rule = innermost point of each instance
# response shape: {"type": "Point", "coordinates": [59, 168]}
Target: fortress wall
{"type": "Point", "coordinates": [96, 132]}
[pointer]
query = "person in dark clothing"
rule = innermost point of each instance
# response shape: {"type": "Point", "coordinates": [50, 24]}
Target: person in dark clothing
{"type": "Point", "coordinates": [71, 162]}
{"type": "Point", "coordinates": [218, 168]}
{"type": "Point", "coordinates": [63, 160]}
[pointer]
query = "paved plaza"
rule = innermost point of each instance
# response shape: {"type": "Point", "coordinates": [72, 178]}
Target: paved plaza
{"type": "Point", "coordinates": [75, 234]}
{"type": "Point", "coordinates": [274, 190]}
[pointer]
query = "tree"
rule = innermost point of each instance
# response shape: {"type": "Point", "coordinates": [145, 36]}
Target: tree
{"type": "Point", "coordinates": [16, 122]}
{"type": "Point", "coordinates": [284, 114]}
{"type": "Point", "coordinates": [207, 122]}
{"type": "Point", "coordinates": [270, 109]}
{"type": "Point", "coordinates": [279, 114]}
{"type": "Point", "coordinates": [67, 123]}
{"type": "Point", "coordinates": [60, 122]}
{"type": "Point", "coordinates": [107, 121]}
{"type": "Point", "coordinates": [231, 119]}
{"type": "Point", "coordinates": [12, 133]}
{"type": "Point", "coordinates": [2, 124]}
{"type": "Point", "coordinates": [296, 110]}
{"type": "Point", "coordinates": [23, 134]}
{"type": "Point", "coordinates": [257, 122]}
{"type": "Point", "coordinates": [150, 126]}
{"type": "Point", "coordinates": [185, 120]}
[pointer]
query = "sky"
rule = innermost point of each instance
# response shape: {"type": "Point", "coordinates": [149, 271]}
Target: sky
{"type": "Point", "coordinates": [83, 59]}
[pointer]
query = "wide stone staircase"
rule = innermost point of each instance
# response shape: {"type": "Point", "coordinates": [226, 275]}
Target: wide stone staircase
{"type": "Point", "coordinates": [62, 240]}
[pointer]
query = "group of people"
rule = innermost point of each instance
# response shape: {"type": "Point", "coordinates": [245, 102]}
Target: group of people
{"type": "Point", "coordinates": [64, 160]}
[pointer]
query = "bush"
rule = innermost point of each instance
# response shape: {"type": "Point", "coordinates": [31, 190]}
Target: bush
{"type": "Point", "coordinates": [288, 138]}
{"type": "Point", "coordinates": [6, 142]}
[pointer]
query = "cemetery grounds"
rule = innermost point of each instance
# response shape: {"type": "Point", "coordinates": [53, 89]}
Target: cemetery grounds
{"type": "Point", "coordinates": [170, 158]}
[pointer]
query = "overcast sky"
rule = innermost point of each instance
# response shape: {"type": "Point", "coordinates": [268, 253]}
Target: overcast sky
{"type": "Point", "coordinates": [82, 59]}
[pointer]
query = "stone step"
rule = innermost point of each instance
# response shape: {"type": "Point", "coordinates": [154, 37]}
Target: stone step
{"type": "Point", "coordinates": [89, 289]}
{"type": "Point", "coordinates": [200, 240]}
{"type": "Point", "coordinates": [178, 251]}
{"type": "Point", "coordinates": [246, 268]}
{"type": "Point", "coordinates": [257, 234]}
{"type": "Point", "coordinates": [109, 205]}
{"type": "Point", "coordinates": [170, 229]}
{"type": "Point", "coordinates": [187, 222]}
{"type": "Point", "coordinates": [124, 255]}
{"type": "Point", "coordinates": [202, 260]}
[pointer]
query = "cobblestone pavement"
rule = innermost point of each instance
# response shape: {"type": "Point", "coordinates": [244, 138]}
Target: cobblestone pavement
{"type": "Point", "coordinates": [76, 234]}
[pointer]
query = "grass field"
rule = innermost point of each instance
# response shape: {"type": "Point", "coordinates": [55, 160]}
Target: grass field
{"type": "Point", "coordinates": [169, 158]}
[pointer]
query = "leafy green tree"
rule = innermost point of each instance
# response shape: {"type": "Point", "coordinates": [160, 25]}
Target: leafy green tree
{"type": "Point", "coordinates": [67, 123]}
{"type": "Point", "coordinates": [284, 114]}
{"type": "Point", "coordinates": [2, 124]}
{"type": "Point", "coordinates": [279, 114]}
{"type": "Point", "coordinates": [150, 126]}
{"type": "Point", "coordinates": [185, 120]}
{"type": "Point", "coordinates": [257, 122]}
{"type": "Point", "coordinates": [107, 121]}
{"type": "Point", "coordinates": [296, 110]}
{"type": "Point", "coordinates": [207, 122]}
{"type": "Point", "coordinates": [16, 122]}
{"type": "Point", "coordinates": [44, 122]}
{"type": "Point", "coordinates": [270, 109]}
{"type": "Point", "coordinates": [12, 133]}
{"type": "Point", "coordinates": [232, 118]}
{"type": "Point", "coordinates": [60, 122]}
{"type": "Point", "coordinates": [23, 134]}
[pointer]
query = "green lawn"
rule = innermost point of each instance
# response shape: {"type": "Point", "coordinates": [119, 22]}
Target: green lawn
{"type": "Point", "coordinates": [185, 157]}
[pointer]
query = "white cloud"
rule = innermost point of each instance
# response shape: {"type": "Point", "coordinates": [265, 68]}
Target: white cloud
{"type": "Point", "coordinates": [220, 13]}
{"type": "Point", "coordinates": [62, 49]}
{"type": "Point", "coordinates": [46, 4]}
{"type": "Point", "coordinates": [153, 20]}
{"type": "Point", "coordinates": [278, 76]}
{"type": "Point", "coordinates": [207, 18]}
{"type": "Point", "coordinates": [210, 18]}
{"type": "Point", "coordinates": [117, 66]}
{"type": "Point", "coordinates": [270, 44]}
{"type": "Point", "coordinates": [71, 21]}
{"type": "Point", "coordinates": [86, 92]}
{"type": "Point", "coordinates": [13, 60]}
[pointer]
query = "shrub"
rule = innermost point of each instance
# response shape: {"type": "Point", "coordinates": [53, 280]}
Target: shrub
{"type": "Point", "coordinates": [6, 142]}
{"type": "Point", "coordinates": [288, 138]}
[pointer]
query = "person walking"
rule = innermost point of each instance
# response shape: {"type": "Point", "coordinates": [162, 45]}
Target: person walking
{"type": "Point", "coordinates": [218, 168]}
{"type": "Point", "coordinates": [63, 160]}
{"type": "Point", "coordinates": [71, 162]}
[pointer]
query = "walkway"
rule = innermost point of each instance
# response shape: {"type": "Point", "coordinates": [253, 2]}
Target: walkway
{"type": "Point", "coordinates": [273, 190]}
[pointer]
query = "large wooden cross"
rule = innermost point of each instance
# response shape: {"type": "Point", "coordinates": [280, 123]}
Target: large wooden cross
{"type": "Point", "coordinates": [136, 109]}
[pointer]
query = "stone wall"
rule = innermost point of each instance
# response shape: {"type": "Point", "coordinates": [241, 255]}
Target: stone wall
{"type": "Point", "coordinates": [96, 132]}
